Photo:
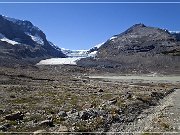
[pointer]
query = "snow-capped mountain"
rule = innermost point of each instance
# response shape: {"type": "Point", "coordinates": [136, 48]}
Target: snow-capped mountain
{"type": "Point", "coordinates": [24, 28]}
{"type": "Point", "coordinates": [176, 34]}
{"type": "Point", "coordinates": [20, 39]}
{"type": "Point", "coordinates": [172, 32]}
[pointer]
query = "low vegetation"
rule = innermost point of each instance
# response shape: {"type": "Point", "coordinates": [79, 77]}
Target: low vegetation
{"type": "Point", "coordinates": [52, 99]}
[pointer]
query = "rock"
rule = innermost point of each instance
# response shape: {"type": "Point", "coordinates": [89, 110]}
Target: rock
{"type": "Point", "coordinates": [72, 111]}
{"type": "Point", "coordinates": [49, 117]}
{"type": "Point", "coordinates": [116, 118]}
{"type": "Point", "coordinates": [100, 90]}
{"type": "Point", "coordinates": [1, 111]}
{"type": "Point", "coordinates": [46, 123]}
{"type": "Point", "coordinates": [62, 114]}
{"type": "Point", "coordinates": [131, 118]}
{"type": "Point", "coordinates": [4, 127]}
{"type": "Point", "coordinates": [15, 116]}
{"type": "Point", "coordinates": [39, 132]}
{"type": "Point", "coordinates": [87, 106]}
{"type": "Point", "coordinates": [170, 91]}
{"type": "Point", "coordinates": [102, 113]}
{"type": "Point", "coordinates": [12, 96]}
{"type": "Point", "coordinates": [85, 115]}
{"type": "Point", "coordinates": [157, 95]}
{"type": "Point", "coordinates": [28, 114]}
{"type": "Point", "coordinates": [74, 115]}
{"type": "Point", "coordinates": [120, 110]}
{"type": "Point", "coordinates": [63, 129]}
{"type": "Point", "coordinates": [93, 113]}
{"type": "Point", "coordinates": [127, 95]}
{"type": "Point", "coordinates": [112, 101]}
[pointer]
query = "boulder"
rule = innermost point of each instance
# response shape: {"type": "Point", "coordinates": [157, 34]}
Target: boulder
{"type": "Point", "coordinates": [15, 116]}
{"type": "Point", "coordinates": [4, 127]}
{"type": "Point", "coordinates": [62, 114]}
{"type": "Point", "coordinates": [112, 101]}
{"type": "Point", "coordinates": [100, 90]}
{"type": "Point", "coordinates": [85, 115]}
{"type": "Point", "coordinates": [46, 123]}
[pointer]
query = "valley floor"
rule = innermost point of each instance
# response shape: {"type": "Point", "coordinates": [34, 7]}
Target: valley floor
{"type": "Point", "coordinates": [64, 99]}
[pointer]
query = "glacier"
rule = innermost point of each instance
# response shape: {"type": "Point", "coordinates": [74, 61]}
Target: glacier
{"type": "Point", "coordinates": [59, 61]}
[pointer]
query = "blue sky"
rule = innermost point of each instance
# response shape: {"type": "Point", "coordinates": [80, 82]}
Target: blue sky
{"type": "Point", "coordinates": [81, 26]}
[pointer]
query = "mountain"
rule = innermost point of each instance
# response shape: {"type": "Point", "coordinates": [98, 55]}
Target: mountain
{"type": "Point", "coordinates": [21, 41]}
{"type": "Point", "coordinates": [81, 53]}
{"type": "Point", "coordinates": [176, 34]}
{"type": "Point", "coordinates": [138, 48]}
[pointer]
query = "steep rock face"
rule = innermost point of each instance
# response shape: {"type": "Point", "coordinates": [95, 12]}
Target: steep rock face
{"type": "Point", "coordinates": [139, 47]}
{"type": "Point", "coordinates": [22, 40]}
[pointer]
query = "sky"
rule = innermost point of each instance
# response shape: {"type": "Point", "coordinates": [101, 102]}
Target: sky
{"type": "Point", "coordinates": [81, 26]}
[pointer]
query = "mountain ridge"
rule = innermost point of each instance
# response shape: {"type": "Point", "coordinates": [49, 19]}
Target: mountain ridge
{"type": "Point", "coordinates": [22, 40]}
{"type": "Point", "coordinates": [138, 48]}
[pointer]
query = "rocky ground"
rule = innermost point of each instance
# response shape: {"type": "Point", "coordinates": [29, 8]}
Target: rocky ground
{"type": "Point", "coordinates": [64, 99]}
{"type": "Point", "coordinates": [161, 119]}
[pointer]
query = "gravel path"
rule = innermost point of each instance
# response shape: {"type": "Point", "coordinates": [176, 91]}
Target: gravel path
{"type": "Point", "coordinates": [163, 119]}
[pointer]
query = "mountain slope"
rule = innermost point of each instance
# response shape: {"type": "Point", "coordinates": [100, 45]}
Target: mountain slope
{"type": "Point", "coordinates": [138, 48]}
{"type": "Point", "coordinates": [22, 40]}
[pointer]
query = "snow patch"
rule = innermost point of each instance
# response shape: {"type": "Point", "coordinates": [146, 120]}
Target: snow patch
{"type": "Point", "coordinates": [112, 38]}
{"type": "Point", "coordinates": [92, 54]}
{"type": "Point", "coordinates": [3, 38]}
{"type": "Point", "coordinates": [174, 32]}
{"type": "Point", "coordinates": [36, 38]}
{"type": "Point", "coordinates": [99, 45]}
{"type": "Point", "coordinates": [59, 61]}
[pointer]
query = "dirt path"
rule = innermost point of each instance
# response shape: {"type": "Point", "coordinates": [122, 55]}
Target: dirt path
{"type": "Point", "coordinates": [163, 119]}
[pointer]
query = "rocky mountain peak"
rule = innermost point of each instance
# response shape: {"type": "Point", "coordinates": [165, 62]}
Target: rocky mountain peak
{"type": "Point", "coordinates": [26, 27]}
{"type": "Point", "coordinates": [26, 40]}
{"type": "Point", "coordinates": [139, 45]}
{"type": "Point", "coordinates": [141, 32]}
{"type": "Point", "coordinates": [138, 25]}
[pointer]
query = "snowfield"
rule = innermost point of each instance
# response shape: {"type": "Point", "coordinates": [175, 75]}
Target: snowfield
{"type": "Point", "coordinates": [59, 61]}
{"type": "Point", "coordinates": [75, 53]}
{"type": "Point", "coordinates": [36, 38]}
{"type": "Point", "coordinates": [73, 56]}
{"type": "Point", "coordinates": [3, 38]}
